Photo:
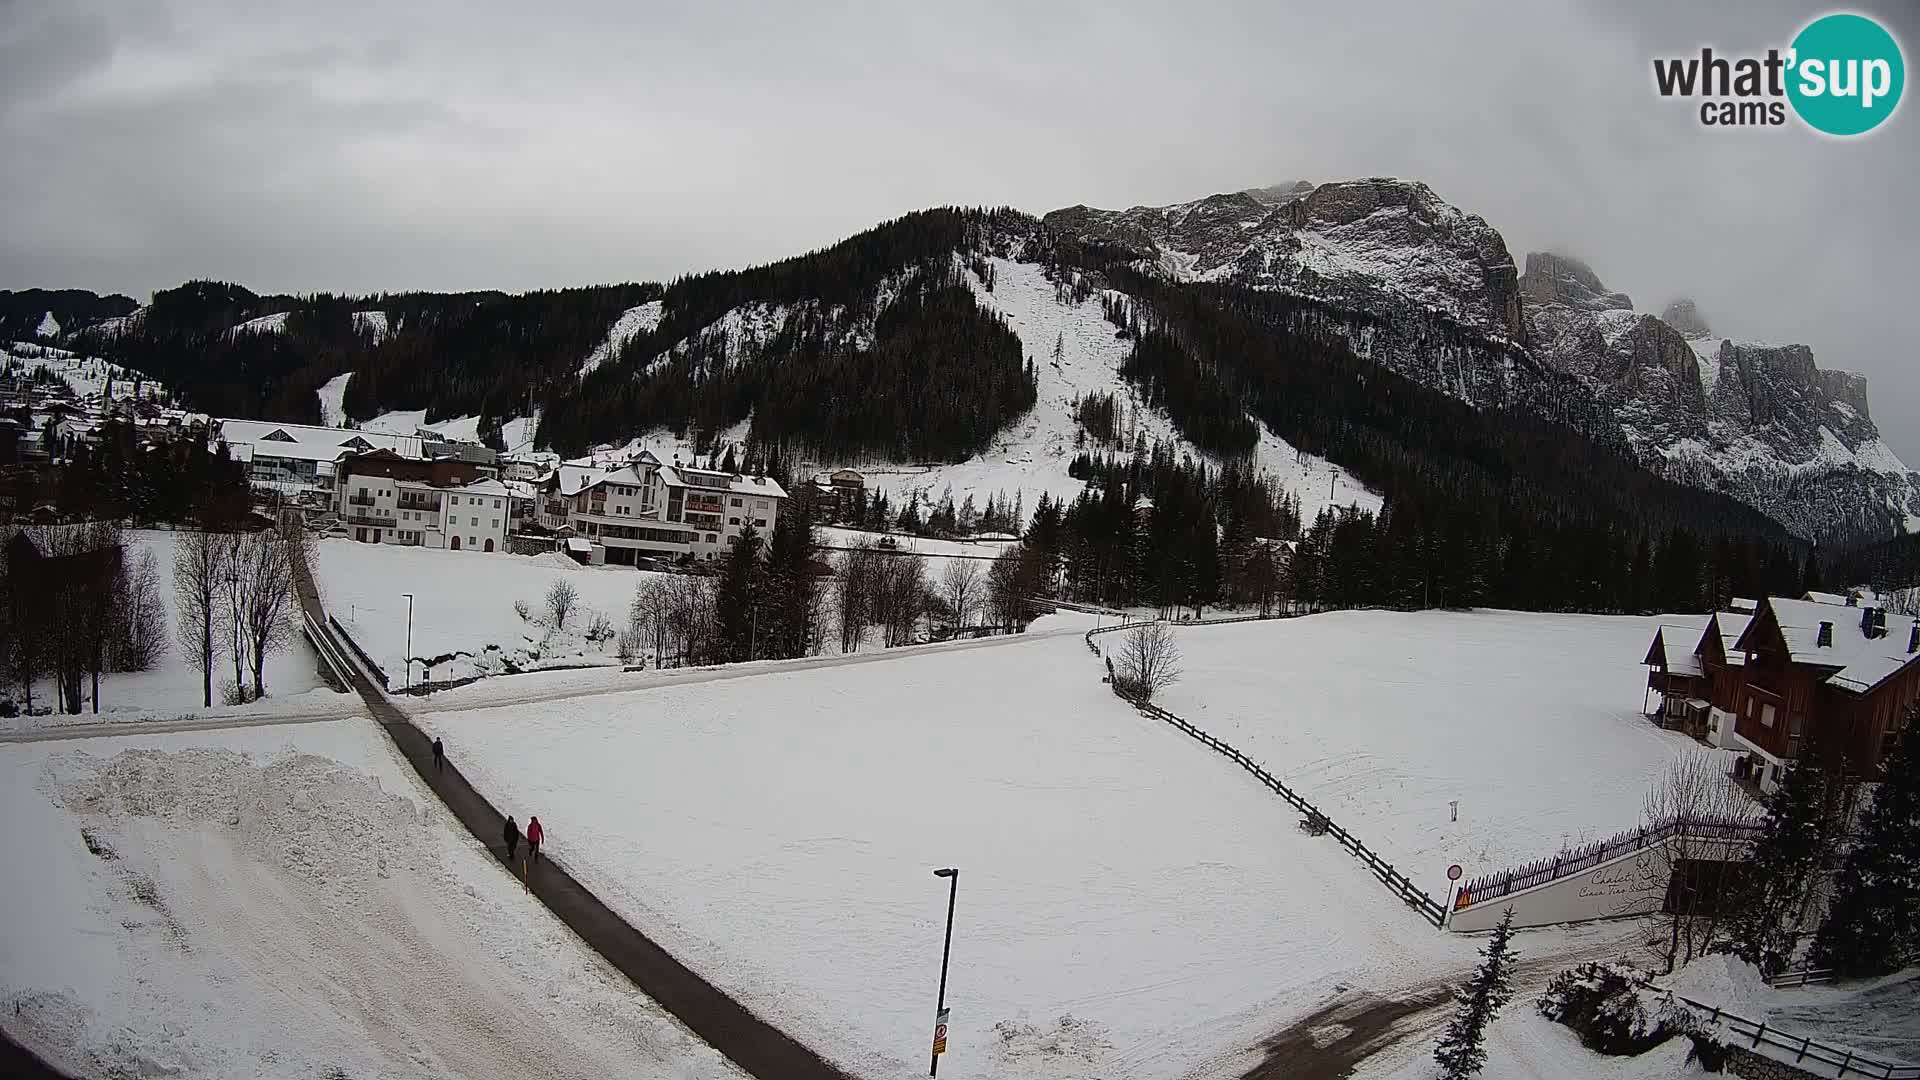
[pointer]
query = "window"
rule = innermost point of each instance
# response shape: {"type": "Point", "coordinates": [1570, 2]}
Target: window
{"type": "Point", "coordinates": [495, 523]}
{"type": "Point", "coordinates": [474, 522]}
{"type": "Point", "coordinates": [1766, 716]}
{"type": "Point", "coordinates": [759, 504]}
{"type": "Point", "coordinates": [759, 523]}
{"type": "Point", "coordinates": [710, 538]}
{"type": "Point", "coordinates": [470, 541]}
{"type": "Point", "coordinates": [733, 521]}
{"type": "Point", "coordinates": [735, 502]}
{"type": "Point", "coordinates": [496, 504]}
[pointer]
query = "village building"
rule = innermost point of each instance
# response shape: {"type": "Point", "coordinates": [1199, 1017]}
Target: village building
{"type": "Point", "coordinates": [300, 461]}
{"type": "Point", "coordinates": [643, 510]}
{"type": "Point", "coordinates": [1842, 674]}
{"type": "Point", "coordinates": [386, 498]}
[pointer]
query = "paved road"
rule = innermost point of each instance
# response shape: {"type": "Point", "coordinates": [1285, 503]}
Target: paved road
{"type": "Point", "coordinates": [348, 709]}
{"type": "Point", "coordinates": [757, 1047]}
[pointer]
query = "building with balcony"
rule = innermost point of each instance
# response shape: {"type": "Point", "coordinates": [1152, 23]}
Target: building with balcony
{"type": "Point", "coordinates": [1843, 675]}
{"type": "Point", "coordinates": [644, 510]}
{"type": "Point", "coordinates": [301, 460]}
{"type": "Point", "coordinates": [385, 498]}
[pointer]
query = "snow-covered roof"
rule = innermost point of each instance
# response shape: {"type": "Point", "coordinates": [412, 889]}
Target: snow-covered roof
{"type": "Point", "coordinates": [707, 479]}
{"type": "Point", "coordinates": [580, 544]}
{"type": "Point", "coordinates": [319, 443]}
{"type": "Point", "coordinates": [1732, 624]}
{"type": "Point", "coordinates": [1742, 604]}
{"type": "Point", "coordinates": [1677, 644]}
{"type": "Point", "coordinates": [1861, 662]}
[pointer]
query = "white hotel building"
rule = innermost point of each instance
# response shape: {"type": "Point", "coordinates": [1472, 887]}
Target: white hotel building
{"type": "Point", "coordinates": [644, 509]}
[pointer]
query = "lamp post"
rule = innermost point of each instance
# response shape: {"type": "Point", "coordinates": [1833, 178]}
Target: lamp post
{"type": "Point", "coordinates": [409, 597]}
{"type": "Point", "coordinates": [946, 953]}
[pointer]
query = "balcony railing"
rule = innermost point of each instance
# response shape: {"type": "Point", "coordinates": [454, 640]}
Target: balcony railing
{"type": "Point", "coordinates": [360, 500]}
{"type": "Point", "coordinates": [370, 517]}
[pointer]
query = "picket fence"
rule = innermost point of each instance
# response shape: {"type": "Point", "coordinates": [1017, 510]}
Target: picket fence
{"type": "Point", "coordinates": [1585, 857]}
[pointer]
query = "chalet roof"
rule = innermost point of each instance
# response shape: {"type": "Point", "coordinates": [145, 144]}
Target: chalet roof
{"type": "Point", "coordinates": [1860, 663]}
{"type": "Point", "coordinates": [1729, 625]}
{"type": "Point", "coordinates": [1676, 645]}
{"type": "Point", "coordinates": [312, 442]}
{"type": "Point", "coordinates": [686, 476]}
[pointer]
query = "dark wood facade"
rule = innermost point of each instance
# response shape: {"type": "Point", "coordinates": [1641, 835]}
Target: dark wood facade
{"type": "Point", "coordinates": [1784, 702]}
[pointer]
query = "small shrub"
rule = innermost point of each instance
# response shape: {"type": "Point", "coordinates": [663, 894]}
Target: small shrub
{"type": "Point", "coordinates": [1314, 824]}
{"type": "Point", "coordinates": [232, 693]}
{"type": "Point", "coordinates": [8, 709]}
{"type": "Point", "coordinates": [521, 609]}
{"type": "Point", "coordinates": [599, 628]}
{"type": "Point", "coordinates": [1608, 1006]}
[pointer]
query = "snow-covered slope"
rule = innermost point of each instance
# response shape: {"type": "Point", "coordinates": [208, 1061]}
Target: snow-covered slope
{"type": "Point", "coordinates": [642, 319]}
{"type": "Point", "coordinates": [288, 901]}
{"type": "Point", "coordinates": [1031, 455]}
{"type": "Point", "coordinates": [372, 322]}
{"type": "Point", "coordinates": [332, 394]}
{"type": "Point", "coordinates": [87, 376]}
{"type": "Point", "coordinates": [265, 324]}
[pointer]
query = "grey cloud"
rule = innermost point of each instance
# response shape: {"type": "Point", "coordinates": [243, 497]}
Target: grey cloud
{"type": "Point", "coordinates": [358, 146]}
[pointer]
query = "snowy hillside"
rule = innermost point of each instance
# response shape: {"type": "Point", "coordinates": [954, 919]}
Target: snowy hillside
{"type": "Point", "coordinates": [87, 376]}
{"type": "Point", "coordinates": [333, 393]}
{"type": "Point", "coordinates": [1031, 455]}
{"type": "Point", "coordinates": [516, 433]}
{"type": "Point", "coordinates": [372, 322]}
{"type": "Point", "coordinates": [643, 319]}
{"type": "Point", "coordinates": [287, 901]}
{"type": "Point", "coordinates": [265, 324]}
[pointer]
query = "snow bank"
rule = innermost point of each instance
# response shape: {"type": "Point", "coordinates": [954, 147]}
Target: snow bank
{"type": "Point", "coordinates": [1531, 722]}
{"type": "Point", "coordinates": [288, 904]}
{"type": "Point", "coordinates": [1127, 906]}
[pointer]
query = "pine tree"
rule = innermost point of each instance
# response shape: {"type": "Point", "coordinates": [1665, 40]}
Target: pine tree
{"type": "Point", "coordinates": [1873, 924]}
{"type": "Point", "coordinates": [735, 602]}
{"type": "Point", "coordinates": [1462, 1050]}
{"type": "Point", "coordinates": [1785, 866]}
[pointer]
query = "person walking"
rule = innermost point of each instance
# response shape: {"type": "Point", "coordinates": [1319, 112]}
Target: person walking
{"type": "Point", "coordinates": [534, 833]}
{"type": "Point", "coordinates": [439, 754]}
{"type": "Point", "coordinates": [512, 839]}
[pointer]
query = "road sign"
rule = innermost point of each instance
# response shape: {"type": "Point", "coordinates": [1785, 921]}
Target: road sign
{"type": "Point", "coordinates": [1453, 872]}
{"type": "Point", "coordinates": [940, 1033]}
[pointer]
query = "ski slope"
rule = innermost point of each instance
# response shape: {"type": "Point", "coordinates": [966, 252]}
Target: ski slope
{"type": "Point", "coordinates": [1031, 454]}
{"type": "Point", "coordinates": [1532, 722]}
{"type": "Point", "coordinates": [333, 396]}
{"type": "Point", "coordinates": [1127, 906]}
{"type": "Point", "coordinates": [289, 902]}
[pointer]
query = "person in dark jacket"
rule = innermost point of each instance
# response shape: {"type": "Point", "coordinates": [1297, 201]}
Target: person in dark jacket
{"type": "Point", "coordinates": [439, 754]}
{"type": "Point", "coordinates": [512, 839]}
{"type": "Point", "coordinates": [534, 833]}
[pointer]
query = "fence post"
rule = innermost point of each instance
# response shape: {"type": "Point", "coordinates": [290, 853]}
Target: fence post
{"type": "Point", "coordinates": [1845, 1062]}
{"type": "Point", "coordinates": [1758, 1032]}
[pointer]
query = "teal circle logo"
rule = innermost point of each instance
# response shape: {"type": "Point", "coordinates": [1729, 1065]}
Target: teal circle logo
{"type": "Point", "coordinates": [1846, 75]}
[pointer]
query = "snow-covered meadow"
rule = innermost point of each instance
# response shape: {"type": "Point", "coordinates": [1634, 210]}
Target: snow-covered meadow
{"type": "Point", "coordinates": [464, 622]}
{"type": "Point", "coordinates": [1384, 719]}
{"type": "Point", "coordinates": [289, 901]}
{"type": "Point", "coordinates": [1128, 906]}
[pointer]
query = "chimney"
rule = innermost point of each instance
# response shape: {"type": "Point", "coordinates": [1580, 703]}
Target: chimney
{"type": "Point", "coordinates": [1824, 639]}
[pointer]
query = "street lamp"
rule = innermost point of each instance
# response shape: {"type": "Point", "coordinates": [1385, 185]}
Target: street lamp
{"type": "Point", "coordinates": [946, 953]}
{"type": "Point", "coordinates": [409, 597]}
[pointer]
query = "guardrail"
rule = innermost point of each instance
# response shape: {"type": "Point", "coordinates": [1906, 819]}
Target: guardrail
{"type": "Point", "coordinates": [1587, 856]}
{"type": "Point", "coordinates": [1804, 1049]}
{"type": "Point", "coordinates": [1396, 882]}
{"type": "Point", "coordinates": [323, 644]}
{"type": "Point", "coordinates": [375, 669]}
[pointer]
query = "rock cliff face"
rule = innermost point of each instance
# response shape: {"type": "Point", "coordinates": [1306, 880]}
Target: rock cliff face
{"type": "Point", "coordinates": [1761, 422]}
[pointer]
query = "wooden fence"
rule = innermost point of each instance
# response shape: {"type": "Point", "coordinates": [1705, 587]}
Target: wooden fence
{"type": "Point", "coordinates": [1804, 1050]}
{"type": "Point", "coordinates": [1576, 860]}
{"type": "Point", "coordinates": [1396, 882]}
{"type": "Point", "coordinates": [1786, 980]}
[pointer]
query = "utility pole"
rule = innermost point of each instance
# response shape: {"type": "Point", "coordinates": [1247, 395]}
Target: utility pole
{"type": "Point", "coordinates": [946, 953]}
{"type": "Point", "coordinates": [409, 657]}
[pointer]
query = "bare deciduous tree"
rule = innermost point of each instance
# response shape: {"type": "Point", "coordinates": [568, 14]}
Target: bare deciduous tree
{"type": "Point", "coordinates": [1149, 661]}
{"type": "Point", "coordinates": [199, 569]}
{"type": "Point", "coordinates": [900, 598]}
{"type": "Point", "coordinates": [859, 568]}
{"type": "Point", "coordinates": [960, 586]}
{"type": "Point", "coordinates": [1696, 790]}
{"type": "Point", "coordinates": [562, 598]}
{"type": "Point", "coordinates": [141, 630]}
{"type": "Point", "coordinates": [266, 615]}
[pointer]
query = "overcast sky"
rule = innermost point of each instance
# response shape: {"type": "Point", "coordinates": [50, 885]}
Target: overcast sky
{"type": "Point", "coordinates": [362, 146]}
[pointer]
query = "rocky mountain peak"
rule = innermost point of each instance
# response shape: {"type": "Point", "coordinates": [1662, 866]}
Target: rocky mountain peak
{"type": "Point", "coordinates": [1552, 278]}
{"type": "Point", "coordinates": [1280, 194]}
{"type": "Point", "coordinates": [1685, 317]}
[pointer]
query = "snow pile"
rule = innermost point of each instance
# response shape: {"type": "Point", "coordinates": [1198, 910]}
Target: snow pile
{"type": "Point", "coordinates": [1530, 722]}
{"type": "Point", "coordinates": [266, 909]}
{"type": "Point", "coordinates": [1722, 980]}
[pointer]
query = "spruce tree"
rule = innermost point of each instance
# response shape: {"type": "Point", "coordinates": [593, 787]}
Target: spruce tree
{"type": "Point", "coordinates": [1785, 865]}
{"type": "Point", "coordinates": [1873, 924]}
{"type": "Point", "coordinates": [736, 599]}
{"type": "Point", "coordinates": [1462, 1050]}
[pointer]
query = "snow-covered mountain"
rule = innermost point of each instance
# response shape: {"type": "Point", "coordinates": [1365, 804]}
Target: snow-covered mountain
{"type": "Point", "coordinates": [1760, 422]}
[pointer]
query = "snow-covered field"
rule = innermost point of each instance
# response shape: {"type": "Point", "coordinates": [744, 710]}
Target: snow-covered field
{"type": "Point", "coordinates": [1532, 722]}
{"type": "Point", "coordinates": [463, 616]}
{"type": "Point", "coordinates": [288, 901]}
{"type": "Point", "coordinates": [1128, 906]}
{"type": "Point", "coordinates": [172, 688]}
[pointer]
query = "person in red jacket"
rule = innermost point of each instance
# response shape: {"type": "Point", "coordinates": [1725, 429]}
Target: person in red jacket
{"type": "Point", "coordinates": [534, 833]}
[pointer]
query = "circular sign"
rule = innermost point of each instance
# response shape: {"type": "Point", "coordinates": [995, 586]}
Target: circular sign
{"type": "Point", "coordinates": [1848, 74]}
{"type": "Point", "coordinates": [1453, 872]}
